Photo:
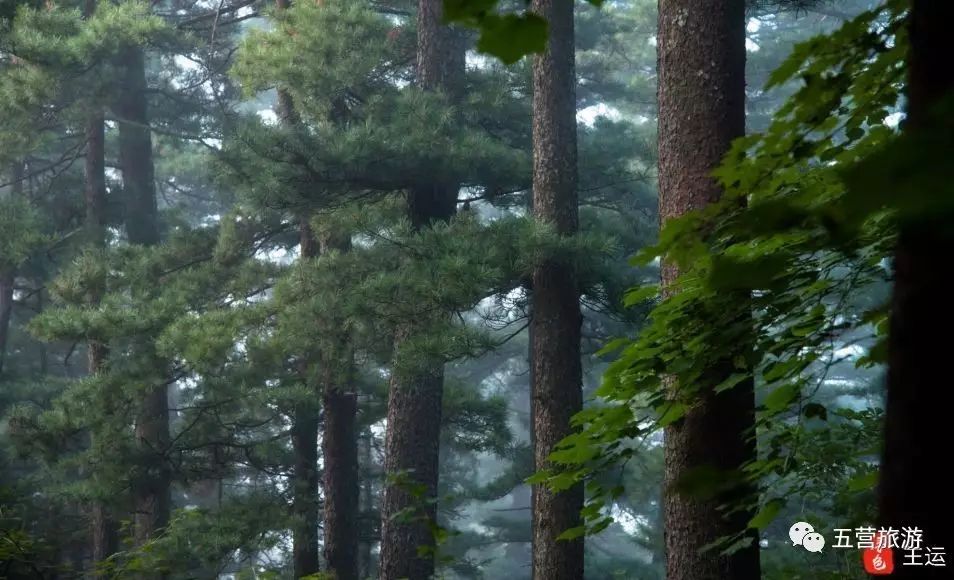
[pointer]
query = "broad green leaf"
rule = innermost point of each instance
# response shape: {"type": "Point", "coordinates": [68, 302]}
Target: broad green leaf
{"type": "Point", "coordinates": [670, 413]}
{"type": "Point", "coordinates": [573, 533]}
{"type": "Point", "coordinates": [509, 37]}
{"type": "Point", "coordinates": [782, 396]}
{"type": "Point", "coordinates": [767, 514]}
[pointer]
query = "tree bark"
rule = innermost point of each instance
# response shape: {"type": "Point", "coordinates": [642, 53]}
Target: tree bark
{"type": "Point", "coordinates": [556, 385]}
{"type": "Point", "coordinates": [305, 557]}
{"type": "Point", "coordinates": [135, 152]}
{"type": "Point", "coordinates": [910, 492]}
{"type": "Point", "coordinates": [104, 530]}
{"type": "Point", "coordinates": [701, 67]}
{"type": "Point", "coordinates": [366, 542]}
{"type": "Point", "coordinates": [412, 445]}
{"type": "Point", "coordinates": [339, 442]}
{"type": "Point", "coordinates": [306, 423]}
{"type": "Point", "coordinates": [7, 278]}
{"type": "Point", "coordinates": [152, 487]}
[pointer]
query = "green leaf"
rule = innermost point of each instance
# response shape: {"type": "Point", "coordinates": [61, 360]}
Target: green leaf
{"type": "Point", "coordinates": [572, 533]}
{"type": "Point", "coordinates": [782, 396]}
{"type": "Point", "coordinates": [538, 477]}
{"type": "Point", "coordinates": [670, 413]}
{"type": "Point", "coordinates": [510, 37]}
{"type": "Point", "coordinates": [733, 380]}
{"type": "Point", "coordinates": [640, 294]}
{"type": "Point", "coordinates": [767, 514]}
{"type": "Point", "coordinates": [863, 482]}
{"type": "Point", "coordinates": [749, 274]}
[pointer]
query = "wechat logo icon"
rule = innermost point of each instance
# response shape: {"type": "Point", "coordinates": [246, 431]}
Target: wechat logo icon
{"type": "Point", "coordinates": [803, 534]}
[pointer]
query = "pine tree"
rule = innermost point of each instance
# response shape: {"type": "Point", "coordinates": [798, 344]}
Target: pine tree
{"type": "Point", "coordinates": [339, 441]}
{"type": "Point", "coordinates": [917, 402]}
{"type": "Point", "coordinates": [414, 401]}
{"type": "Point", "coordinates": [701, 50]}
{"type": "Point", "coordinates": [152, 488]}
{"type": "Point", "coordinates": [555, 321]}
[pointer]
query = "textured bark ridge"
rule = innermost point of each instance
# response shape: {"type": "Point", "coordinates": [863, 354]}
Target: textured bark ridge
{"type": "Point", "coordinates": [556, 374]}
{"type": "Point", "coordinates": [151, 488]}
{"type": "Point", "coordinates": [414, 403]}
{"type": "Point", "coordinates": [701, 65]}
{"type": "Point", "coordinates": [919, 398]}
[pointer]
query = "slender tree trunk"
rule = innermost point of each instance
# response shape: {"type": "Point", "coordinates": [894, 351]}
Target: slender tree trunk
{"type": "Point", "coordinates": [135, 152]}
{"type": "Point", "coordinates": [340, 445]}
{"type": "Point", "coordinates": [701, 61]}
{"type": "Point", "coordinates": [152, 487]}
{"type": "Point", "coordinates": [8, 276]}
{"type": "Point", "coordinates": [305, 554]}
{"type": "Point", "coordinates": [367, 507]}
{"type": "Point", "coordinates": [42, 353]}
{"type": "Point", "coordinates": [556, 388]}
{"type": "Point", "coordinates": [6, 312]}
{"type": "Point", "coordinates": [412, 446]}
{"type": "Point", "coordinates": [305, 507]}
{"type": "Point", "coordinates": [910, 493]}
{"type": "Point", "coordinates": [104, 532]}
{"type": "Point", "coordinates": [306, 558]}
{"type": "Point", "coordinates": [103, 529]}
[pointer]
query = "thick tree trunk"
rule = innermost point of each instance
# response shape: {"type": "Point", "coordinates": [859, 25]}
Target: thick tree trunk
{"type": "Point", "coordinates": [556, 385]}
{"type": "Point", "coordinates": [414, 405]}
{"type": "Point", "coordinates": [911, 493]}
{"type": "Point", "coordinates": [701, 62]}
{"type": "Point", "coordinates": [305, 480]}
{"type": "Point", "coordinates": [151, 490]}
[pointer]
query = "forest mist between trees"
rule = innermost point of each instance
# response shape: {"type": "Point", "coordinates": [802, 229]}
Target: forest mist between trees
{"type": "Point", "coordinates": [475, 289]}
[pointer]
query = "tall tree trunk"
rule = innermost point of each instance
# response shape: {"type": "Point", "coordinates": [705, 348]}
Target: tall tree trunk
{"type": "Point", "coordinates": [8, 276]}
{"type": "Point", "coordinates": [305, 554]}
{"type": "Point", "coordinates": [412, 445]}
{"type": "Point", "coordinates": [701, 67]}
{"type": "Point", "coordinates": [367, 506]}
{"type": "Point", "coordinates": [152, 488]}
{"type": "Point", "coordinates": [6, 311]}
{"type": "Point", "coordinates": [556, 384]}
{"type": "Point", "coordinates": [104, 532]}
{"type": "Point", "coordinates": [339, 444]}
{"type": "Point", "coordinates": [910, 493]}
{"type": "Point", "coordinates": [103, 529]}
{"type": "Point", "coordinates": [306, 559]}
